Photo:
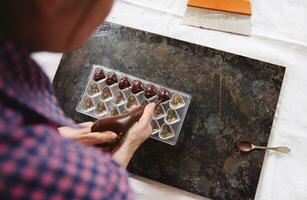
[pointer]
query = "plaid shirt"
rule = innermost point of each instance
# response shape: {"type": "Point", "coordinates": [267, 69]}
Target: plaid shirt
{"type": "Point", "coordinates": [35, 161]}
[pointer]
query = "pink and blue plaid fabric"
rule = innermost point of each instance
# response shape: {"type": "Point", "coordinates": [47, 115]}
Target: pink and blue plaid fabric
{"type": "Point", "coordinates": [35, 161]}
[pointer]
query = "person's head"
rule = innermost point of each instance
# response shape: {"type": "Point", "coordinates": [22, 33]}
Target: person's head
{"type": "Point", "coordinates": [51, 25]}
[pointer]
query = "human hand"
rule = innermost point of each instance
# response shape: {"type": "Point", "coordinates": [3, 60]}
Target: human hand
{"type": "Point", "coordinates": [135, 136]}
{"type": "Point", "coordinates": [141, 130]}
{"type": "Point", "coordinates": [85, 136]}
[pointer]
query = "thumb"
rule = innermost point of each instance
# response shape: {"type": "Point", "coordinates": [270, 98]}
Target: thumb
{"type": "Point", "coordinates": [147, 114]}
{"type": "Point", "coordinates": [97, 138]}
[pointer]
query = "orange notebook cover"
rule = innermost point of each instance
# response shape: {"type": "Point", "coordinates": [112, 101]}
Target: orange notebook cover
{"type": "Point", "coordinates": [235, 6]}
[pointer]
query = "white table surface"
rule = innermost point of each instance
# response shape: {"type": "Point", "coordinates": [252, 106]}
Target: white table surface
{"type": "Point", "coordinates": [279, 36]}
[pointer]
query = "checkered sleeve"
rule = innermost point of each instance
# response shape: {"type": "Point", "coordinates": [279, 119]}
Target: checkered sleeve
{"type": "Point", "coordinates": [37, 163]}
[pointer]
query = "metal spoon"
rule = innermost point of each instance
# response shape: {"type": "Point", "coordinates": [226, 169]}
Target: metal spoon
{"type": "Point", "coordinates": [246, 146]}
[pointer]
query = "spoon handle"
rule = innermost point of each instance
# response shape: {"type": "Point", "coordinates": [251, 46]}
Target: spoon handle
{"type": "Point", "coordinates": [281, 149]}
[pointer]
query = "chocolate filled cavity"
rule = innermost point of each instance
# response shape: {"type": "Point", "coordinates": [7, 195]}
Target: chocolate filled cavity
{"type": "Point", "coordinates": [132, 102]}
{"type": "Point", "coordinates": [93, 89]}
{"type": "Point", "coordinates": [158, 111]}
{"type": "Point", "coordinates": [166, 132]}
{"type": "Point", "coordinates": [111, 78]}
{"type": "Point", "coordinates": [177, 101]}
{"type": "Point", "coordinates": [119, 97]}
{"type": "Point", "coordinates": [87, 103]}
{"type": "Point", "coordinates": [100, 108]}
{"type": "Point", "coordinates": [164, 95]}
{"type": "Point", "coordinates": [150, 91]}
{"type": "Point", "coordinates": [137, 86]}
{"type": "Point", "coordinates": [124, 83]}
{"type": "Point", "coordinates": [171, 116]}
{"type": "Point", "coordinates": [106, 93]}
{"type": "Point", "coordinates": [99, 75]}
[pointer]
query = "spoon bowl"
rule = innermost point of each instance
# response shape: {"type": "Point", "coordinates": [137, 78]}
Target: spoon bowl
{"type": "Point", "coordinates": [245, 146]}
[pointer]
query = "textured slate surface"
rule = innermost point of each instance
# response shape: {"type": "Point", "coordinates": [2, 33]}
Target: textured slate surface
{"type": "Point", "coordinates": [233, 98]}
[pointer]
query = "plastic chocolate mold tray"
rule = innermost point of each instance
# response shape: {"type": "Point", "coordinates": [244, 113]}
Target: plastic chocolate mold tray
{"type": "Point", "coordinates": [110, 92]}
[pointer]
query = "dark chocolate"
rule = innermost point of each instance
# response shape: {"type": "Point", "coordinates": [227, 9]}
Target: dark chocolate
{"type": "Point", "coordinates": [137, 86]}
{"type": "Point", "coordinates": [124, 83]}
{"type": "Point", "coordinates": [164, 95]}
{"type": "Point", "coordinates": [150, 91]}
{"type": "Point", "coordinates": [119, 124]}
{"type": "Point", "coordinates": [99, 75]}
{"type": "Point", "coordinates": [245, 146]}
{"type": "Point", "coordinates": [111, 78]}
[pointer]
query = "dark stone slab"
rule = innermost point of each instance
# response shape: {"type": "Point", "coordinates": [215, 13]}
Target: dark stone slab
{"type": "Point", "coordinates": [233, 98]}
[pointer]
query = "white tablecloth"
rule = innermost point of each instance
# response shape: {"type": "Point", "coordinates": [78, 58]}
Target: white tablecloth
{"type": "Point", "coordinates": [279, 36]}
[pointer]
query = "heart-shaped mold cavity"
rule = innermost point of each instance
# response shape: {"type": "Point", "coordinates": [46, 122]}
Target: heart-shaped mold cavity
{"type": "Point", "coordinates": [111, 78]}
{"type": "Point", "coordinates": [171, 116]}
{"type": "Point", "coordinates": [119, 98]}
{"type": "Point", "coordinates": [137, 86]}
{"type": "Point", "coordinates": [177, 101]}
{"type": "Point", "coordinates": [93, 89]}
{"type": "Point", "coordinates": [155, 126]}
{"type": "Point", "coordinates": [132, 102]}
{"type": "Point", "coordinates": [166, 132]}
{"type": "Point", "coordinates": [99, 75]}
{"type": "Point", "coordinates": [124, 83]}
{"type": "Point", "coordinates": [114, 111]}
{"type": "Point", "coordinates": [150, 91]}
{"type": "Point", "coordinates": [144, 102]}
{"type": "Point", "coordinates": [159, 111]}
{"type": "Point", "coordinates": [106, 93]}
{"type": "Point", "coordinates": [125, 112]}
{"type": "Point", "coordinates": [164, 95]}
{"type": "Point", "coordinates": [87, 104]}
{"type": "Point", "coordinates": [100, 108]}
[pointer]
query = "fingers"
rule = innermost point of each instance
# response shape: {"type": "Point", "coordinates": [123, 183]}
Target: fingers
{"type": "Point", "coordinates": [87, 124]}
{"type": "Point", "coordinates": [73, 132]}
{"type": "Point", "coordinates": [69, 132]}
{"type": "Point", "coordinates": [85, 136]}
{"type": "Point", "coordinates": [97, 138]}
{"type": "Point", "coordinates": [85, 128]}
{"type": "Point", "coordinates": [147, 114]}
